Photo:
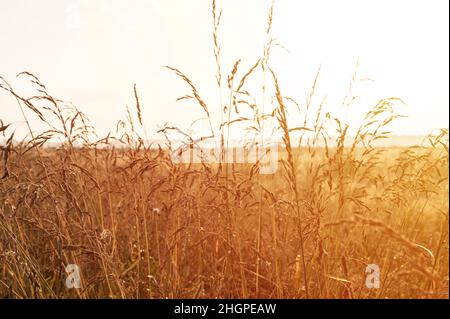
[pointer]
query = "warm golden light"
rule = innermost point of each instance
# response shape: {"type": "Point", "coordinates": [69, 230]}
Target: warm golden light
{"type": "Point", "coordinates": [224, 149]}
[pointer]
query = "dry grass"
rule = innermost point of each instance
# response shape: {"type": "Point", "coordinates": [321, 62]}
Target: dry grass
{"type": "Point", "coordinates": [141, 226]}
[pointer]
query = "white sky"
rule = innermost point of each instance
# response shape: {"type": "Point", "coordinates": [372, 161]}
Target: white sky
{"type": "Point", "coordinates": [91, 52]}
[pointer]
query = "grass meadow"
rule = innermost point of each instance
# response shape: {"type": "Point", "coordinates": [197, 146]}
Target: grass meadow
{"type": "Point", "coordinates": [140, 225]}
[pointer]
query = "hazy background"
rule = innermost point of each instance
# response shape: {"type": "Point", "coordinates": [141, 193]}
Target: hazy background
{"type": "Point", "coordinates": [91, 52]}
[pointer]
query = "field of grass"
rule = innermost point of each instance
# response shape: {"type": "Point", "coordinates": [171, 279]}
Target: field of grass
{"type": "Point", "coordinates": [139, 225]}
